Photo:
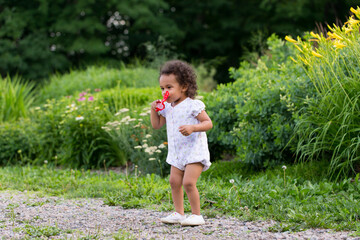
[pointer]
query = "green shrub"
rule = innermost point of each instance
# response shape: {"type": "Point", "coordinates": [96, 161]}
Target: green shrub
{"type": "Point", "coordinates": [119, 97]}
{"type": "Point", "coordinates": [94, 78]}
{"type": "Point", "coordinates": [145, 147]}
{"type": "Point", "coordinates": [47, 118]}
{"type": "Point", "coordinates": [71, 131]}
{"type": "Point", "coordinates": [330, 128]}
{"type": "Point", "coordinates": [90, 131]}
{"type": "Point", "coordinates": [16, 97]}
{"type": "Point", "coordinates": [81, 136]}
{"type": "Point", "coordinates": [254, 116]}
{"type": "Point", "coordinates": [19, 142]}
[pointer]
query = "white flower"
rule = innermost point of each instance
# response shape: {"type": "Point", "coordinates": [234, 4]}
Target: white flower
{"type": "Point", "coordinates": [138, 147]}
{"type": "Point", "coordinates": [158, 151]}
{"type": "Point", "coordinates": [148, 136]}
{"type": "Point", "coordinates": [123, 110]}
{"type": "Point", "coordinates": [150, 150]}
{"type": "Point", "coordinates": [232, 181]}
{"type": "Point", "coordinates": [125, 119]}
{"type": "Point", "coordinates": [162, 146]}
{"type": "Point", "coordinates": [79, 118]}
{"type": "Point", "coordinates": [152, 159]}
{"type": "Point", "coordinates": [284, 167]}
{"type": "Point", "coordinates": [144, 140]}
{"type": "Point", "coordinates": [143, 114]}
{"type": "Point", "coordinates": [45, 161]}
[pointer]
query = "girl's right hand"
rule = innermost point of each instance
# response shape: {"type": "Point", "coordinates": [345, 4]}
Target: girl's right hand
{"type": "Point", "coordinates": [153, 104]}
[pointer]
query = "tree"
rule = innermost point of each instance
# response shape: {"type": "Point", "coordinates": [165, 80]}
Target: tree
{"type": "Point", "coordinates": [42, 36]}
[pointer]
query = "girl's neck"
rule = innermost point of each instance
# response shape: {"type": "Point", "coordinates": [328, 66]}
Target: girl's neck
{"type": "Point", "coordinates": [178, 101]}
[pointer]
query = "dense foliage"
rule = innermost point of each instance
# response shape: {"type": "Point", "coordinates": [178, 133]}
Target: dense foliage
{"type": "Point", "coordinates": [330, 127]}
{"type": "Point", "coordinates": [40, 37]}
{"type": "Point", "coordinates": [283, 106]}
{"type": "Point", "coordinates": [255, 115]}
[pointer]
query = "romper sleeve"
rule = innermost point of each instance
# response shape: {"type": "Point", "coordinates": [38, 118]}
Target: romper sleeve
{"type": "Point", "coordinates": [197, 108]}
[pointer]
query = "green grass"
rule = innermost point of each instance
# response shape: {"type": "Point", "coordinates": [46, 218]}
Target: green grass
{"type": "Point", "coordinates": [96, 77]}
{"type": "Point", "coordinates": [298, 198]}
{"type": "Point", "coordinates": [16, 96]}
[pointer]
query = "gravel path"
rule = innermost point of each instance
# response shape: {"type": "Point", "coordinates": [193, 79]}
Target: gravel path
{"type": "Point", "coordinates": [29, 215]}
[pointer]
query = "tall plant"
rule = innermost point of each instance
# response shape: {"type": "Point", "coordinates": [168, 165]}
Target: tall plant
{"type": "Point", "coordinates": [15, 98]}
{"type": "Point", "coordinates": [330, 128]}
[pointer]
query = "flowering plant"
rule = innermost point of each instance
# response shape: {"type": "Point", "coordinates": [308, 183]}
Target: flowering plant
{"type": "Point", "coordinates": [142, 145]}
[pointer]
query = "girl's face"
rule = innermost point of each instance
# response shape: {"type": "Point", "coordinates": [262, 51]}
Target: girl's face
{"type": "Point", "coordinates": [177, 93]}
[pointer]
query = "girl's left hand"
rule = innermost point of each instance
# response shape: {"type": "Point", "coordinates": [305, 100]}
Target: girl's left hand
{"type": "Point", "coordinates": [186, 130]}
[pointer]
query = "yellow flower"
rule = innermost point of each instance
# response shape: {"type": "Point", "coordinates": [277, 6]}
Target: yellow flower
{"type": "Point", "coordinates": [334, 36]}
{"type": "Point", "coordinates": [316, 54]}
{"type": "Point", "coordinates": [339, 44]}
{"type": "Point", "coordinates": [315, 35]}
{"type": "Point", "coordinates": [355, 11]}
{"type": "Point", "coordinates": [352, 22]}
{"type": "Point", "coordinates": [347, 30]}
{"type": "Point", "coordinates": [290, 39]}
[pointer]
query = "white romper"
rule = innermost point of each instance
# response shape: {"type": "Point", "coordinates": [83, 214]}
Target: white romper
{"type": "Point", "coordinates": [183, 150]}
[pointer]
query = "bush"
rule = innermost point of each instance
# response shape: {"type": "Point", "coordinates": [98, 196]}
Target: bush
{"type": "Point", "coordinates": [254, 116]}
{"type": "Point", "coordinates": [330, 128]}
{"type": "Point", "coordinates": [90, 131]}
{"type": "Point", "coordinates": [70, 131]}
{"type": "Point", "coordinates": [132, 134]}
{"type": "Point", "coordinates": [121, 97]}
{"type": "Point", "coordinates": [96, 78]}
{"type": "Point", "coordinates": [19, 142]}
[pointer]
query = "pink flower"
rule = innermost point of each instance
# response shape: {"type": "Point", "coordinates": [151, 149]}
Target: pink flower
{"type": "Point", "coordinates": [81, 99]}
{"type": "Point", "coordinates": [82, 94]}
{"type": "Point", "coordinates": [91, 98]}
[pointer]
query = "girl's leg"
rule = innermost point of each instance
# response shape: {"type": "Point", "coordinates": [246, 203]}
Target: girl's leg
{"type": "Point", "coordinates": [176, 179]}
{"type": "Point", "coordinates": [191, 175]}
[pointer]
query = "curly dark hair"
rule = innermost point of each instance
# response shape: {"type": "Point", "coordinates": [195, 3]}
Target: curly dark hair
{"type": "Point", "coordinates": [184, 74]}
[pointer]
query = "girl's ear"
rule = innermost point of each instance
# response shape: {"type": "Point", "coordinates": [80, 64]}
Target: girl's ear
{"type": "Point", "coordinates": [184, 88]}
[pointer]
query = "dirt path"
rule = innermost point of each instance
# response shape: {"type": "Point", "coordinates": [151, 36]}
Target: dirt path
{"type": "Point", "coordinates": [28, 215]}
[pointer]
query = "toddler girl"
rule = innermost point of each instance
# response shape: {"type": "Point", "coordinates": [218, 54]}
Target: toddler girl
{"type": "Point", "coordinates": [186, 123]}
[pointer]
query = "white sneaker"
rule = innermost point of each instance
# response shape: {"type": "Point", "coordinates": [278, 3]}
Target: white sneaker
{"type": "Point", "coordinates": [193, 220]}
{"type": "Point", "coordinates": [173, 218]}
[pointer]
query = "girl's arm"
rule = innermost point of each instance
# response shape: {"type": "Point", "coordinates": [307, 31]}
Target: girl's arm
{"type": "Point", "coordinates": [157, 121]}
{"type": "Point", "coordinates": [204, 125]}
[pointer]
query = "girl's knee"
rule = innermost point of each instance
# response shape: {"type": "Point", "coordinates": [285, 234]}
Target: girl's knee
{"type": "Point", "coordinates": [174, 182]}
{"type": "Point", "coordinates": [189, 185]}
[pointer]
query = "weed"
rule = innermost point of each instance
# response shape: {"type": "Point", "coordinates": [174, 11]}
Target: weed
{"type": "Point", "coordinates": [41, 231]}
{"type": "Point", "coordinates": [124, 235]}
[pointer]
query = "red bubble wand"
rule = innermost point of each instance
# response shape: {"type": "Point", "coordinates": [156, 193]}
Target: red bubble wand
{"type": "Point", "coordinates": [160, 103]}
